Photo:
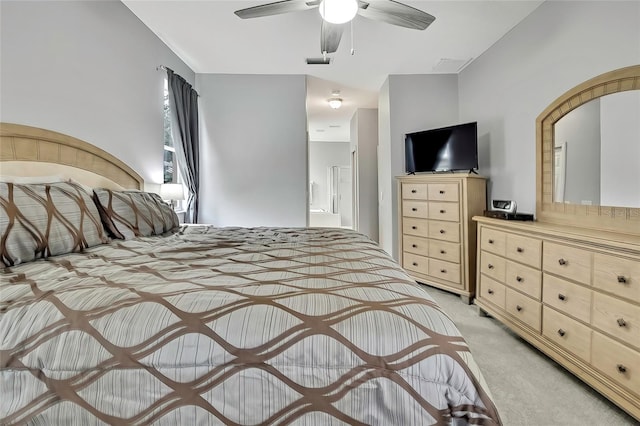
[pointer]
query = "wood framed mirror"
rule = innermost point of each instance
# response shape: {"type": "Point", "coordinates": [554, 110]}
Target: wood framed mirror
{"type": "Point", "coordinates": [552, 151]}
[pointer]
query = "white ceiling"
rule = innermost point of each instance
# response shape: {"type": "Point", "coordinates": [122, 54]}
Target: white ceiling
{"type": "Point", "coordinates": [210, 38]}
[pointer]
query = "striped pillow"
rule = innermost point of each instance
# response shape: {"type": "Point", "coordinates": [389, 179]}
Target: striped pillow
{"type": "Point", "coordinates": [129, 214]}
{"type": "Point", "coordinates": [47, 219]}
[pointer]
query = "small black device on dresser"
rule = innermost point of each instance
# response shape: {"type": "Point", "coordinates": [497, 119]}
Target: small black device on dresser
{"type": "Point", "coordinates": [506, 209]}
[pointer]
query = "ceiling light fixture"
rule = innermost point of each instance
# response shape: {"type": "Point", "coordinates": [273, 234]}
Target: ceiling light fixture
{"type": "Point", "coordinates": [335, 103]}
{"type": "Point", "coordinates": [338, 11]}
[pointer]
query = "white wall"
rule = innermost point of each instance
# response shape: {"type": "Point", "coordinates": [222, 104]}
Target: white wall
{"type": "Point", "coordinates": [558, 46]}
{"type": "Point", "coordinates": [253, 150]}
{"type": "Point", "coordinates": [364, 142]}
{"type": "Point", "coordinates": [87, 69]}
{"type": "Point", "coordinates": [323, 155]}
{"type": "Point", "coordinates": [408, 103]}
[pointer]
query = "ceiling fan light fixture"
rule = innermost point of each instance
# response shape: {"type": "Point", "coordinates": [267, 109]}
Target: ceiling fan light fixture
{"type": "Point", "coordinates": [338, 11]}
{"type": "Point", "coordinates": [335, 103]}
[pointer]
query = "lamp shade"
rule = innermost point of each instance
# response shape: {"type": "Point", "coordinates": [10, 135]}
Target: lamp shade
{"type": "Point", "coordinates": [338, 11]}
{"type": "Point", "coordinates": [172, 191]}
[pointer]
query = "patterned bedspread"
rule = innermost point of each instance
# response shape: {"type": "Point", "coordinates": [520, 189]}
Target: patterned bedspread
{"type": "Point", "coordinates": [231, 326]}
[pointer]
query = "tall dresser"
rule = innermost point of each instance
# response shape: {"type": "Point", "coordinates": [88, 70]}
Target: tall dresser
{"type": "Point", "coordinates": [437, 243]}
{"type": "Point", "coordinates": [572, 293]}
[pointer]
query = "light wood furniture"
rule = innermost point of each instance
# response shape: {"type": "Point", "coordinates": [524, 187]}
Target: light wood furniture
{"type": "Point", "coordinates": [31, 151]}
{"type": "Point", "coordinates": [570, 282]}
{"type": "Point", "coordinates": [437, 236]}
{"type": "Point", "coordinates": [611, 218]}
{"type": "Point", "coordinates": [572, 293]}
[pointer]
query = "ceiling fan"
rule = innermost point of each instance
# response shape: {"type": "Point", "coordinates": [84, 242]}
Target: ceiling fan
{"type": "Point", "coordinates": [336, 13]}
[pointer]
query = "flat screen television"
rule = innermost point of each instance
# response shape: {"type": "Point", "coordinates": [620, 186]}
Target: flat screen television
{"type": "Point", "coordinates": [446, 149]}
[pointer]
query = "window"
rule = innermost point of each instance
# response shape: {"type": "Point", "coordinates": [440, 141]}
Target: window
{"type": "Point", "coordinates": [170, 166]}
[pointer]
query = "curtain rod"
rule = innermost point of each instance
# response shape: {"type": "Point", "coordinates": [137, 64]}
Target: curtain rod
{"type": "Point", "coordinates": [163, 68]}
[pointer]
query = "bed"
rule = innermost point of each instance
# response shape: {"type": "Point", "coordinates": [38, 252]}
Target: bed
{"type": "Point", "coordinates": [193, 324]}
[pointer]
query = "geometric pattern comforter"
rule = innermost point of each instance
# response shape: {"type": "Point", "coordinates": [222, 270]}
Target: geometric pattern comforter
{"type": "Point", "coordinates": [231, 326]}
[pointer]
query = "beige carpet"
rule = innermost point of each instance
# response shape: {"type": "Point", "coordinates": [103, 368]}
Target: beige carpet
{"type": "Point", "coordinates": [527, 387]}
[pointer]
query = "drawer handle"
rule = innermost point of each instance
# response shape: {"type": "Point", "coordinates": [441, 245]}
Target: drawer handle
{"type": "Point", "coordinates": [621, 322]}
{"type": "Point", "coordinates": [520, 250]}
{"type": "Point", "coordinates": [443, 271]}
{"type": "Point", "coordinates": [413, 191]}
{"type": "Point", "coordinates": [442, 231]}
{"type": "Point", "coordinates": [621, 368]}
{"type": "Point", "coordinates": [490, 266]}
{"type": "Point", "coordinates": [622, 279]}
{"type": "Point", "coordinates": [519, 279]}
{"type": "Point", "coordinates": [441, 191]}
{"type": "Point", "coordinates": [415, 264]}
{"type": "Point", "coordinates": [413, 209]}
{"type": "Point", "coordinates": [518, 308]}
{"type": "Point", "coordinates": [442, 252]}
{"type": "Point", "coordinates": [442, 211]}
{"type": "Point", "coordinates": [414, 227]}
{"type": "Point", "coordinates": [490, 291]}
{"type": "Point", "coordinates": [562, 296]}
{"type": "Point", "coordinates": [562, 262]}
{"type": "Point", "coordinates": [490, 241]}
{"type": "Point", "coordinates": [561, 332]}
{"type": "Point", "coordinates": [414, 245]}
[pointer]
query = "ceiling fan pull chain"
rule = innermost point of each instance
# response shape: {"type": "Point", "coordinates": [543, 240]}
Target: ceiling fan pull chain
{"type": "Point", "coordinates": [353, 50]}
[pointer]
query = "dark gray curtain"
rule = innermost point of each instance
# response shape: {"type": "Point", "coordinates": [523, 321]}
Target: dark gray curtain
{"type": "Point", "coordinates": [183, 103]}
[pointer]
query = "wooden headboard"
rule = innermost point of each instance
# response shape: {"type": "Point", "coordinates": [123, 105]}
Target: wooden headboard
{"type": "Point", "coordinates": [25, 150]}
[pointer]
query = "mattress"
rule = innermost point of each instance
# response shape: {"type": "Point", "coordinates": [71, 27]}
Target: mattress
{"type": "Point", "coordinates": [245, 326]}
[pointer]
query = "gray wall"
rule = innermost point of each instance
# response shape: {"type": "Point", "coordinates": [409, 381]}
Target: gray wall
{"type": "Point", "coordinates": [87, 69]}
{"type": "Point", "coordinates": [364, 141]}
{"type": "Point", "coordinates": [620, 133]}
{"type": "Point", "coordinates": [558, 46]}
{"type": "Point", "coordinates": [408, 103]}
{"type": "Point", "coordinates": [323, 155]}
{"type": "Point", "coordinates": [580, 130]}
{"type": "Point", "coordinates": [253, 150]}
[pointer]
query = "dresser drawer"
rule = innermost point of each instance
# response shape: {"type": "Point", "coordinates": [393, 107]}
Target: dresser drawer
{"type": "Point", "coordinates": [493, 241]}
{"type": "Point", "coordinates": [443, 192]}
{"type": "Point", "coordinates": [524, 308]}
{"type": "Point", "coordinates": [567, 333]}
{"type": "Point", "coordinates": [617, 275]}
{"type": "Point", "coordinates": [445, 270]}
{"type": "Point", "coordinates": [567, 297]}
{"type": "Point", "coordinates": [492, 291]}
{"type": "Point", "coordinates": [447, 231]}
{"type": "Point", "coordinates": [569, 262]}
{"type": "Point", "coordinates": [617, 317]}
{"type": "Point", "coordinates": [417, 245]}
{"type": "Point", "coordinates": [417, 227]}
{"type": "Point", "coordinates": [524, 250]}
{"type": "Point", "coordinates": [444, 251]}
{"type": "Point", "coordinates": [524, 278]}
{"type": "Point", "coordinates": [444, 211]}
{"type": "Point", "coordinates": [415, 209]}
{"type": "Point", "coordinates": [493, 266]}
{"type": "Point", "coordinates": [415, 263]}
{"type": "Point", "coordinates": [414, 191]}
{"type": "Point", "coordinates": [617, 361]}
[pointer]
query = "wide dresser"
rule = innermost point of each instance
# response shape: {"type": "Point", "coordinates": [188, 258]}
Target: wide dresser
{"type": "Point", "coordinates": [437, 234]}
{"type": "Point", "coordinates": [573, 293]}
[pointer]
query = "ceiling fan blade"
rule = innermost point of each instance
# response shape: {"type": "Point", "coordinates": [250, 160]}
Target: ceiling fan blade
{"type": "Point", "coordinates": [395, 13]}
{"type": "Point", "coordinates": [330, 36]}
{"type": "Point", "coordinates": [275, 8]}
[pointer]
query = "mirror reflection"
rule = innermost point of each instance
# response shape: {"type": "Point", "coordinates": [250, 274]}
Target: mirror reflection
{"type": "Point", "coordinates": [597, 152]}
